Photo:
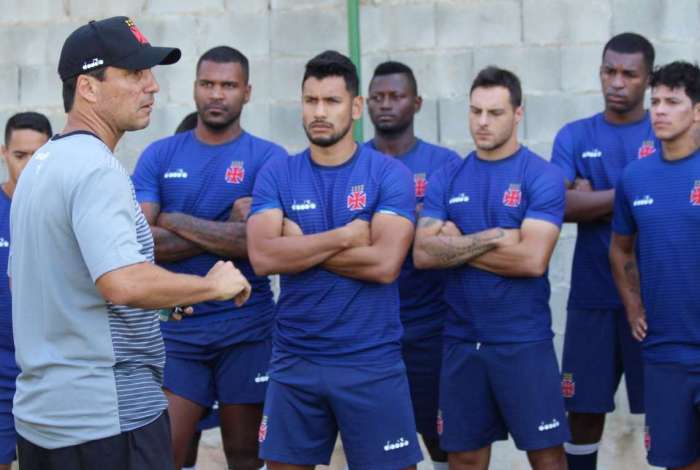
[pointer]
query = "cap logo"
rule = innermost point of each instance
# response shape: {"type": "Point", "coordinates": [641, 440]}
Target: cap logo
{"type": "Point", "coordinates": [96, 62]}
{"type": "Point", "coordinates": [136, 31]}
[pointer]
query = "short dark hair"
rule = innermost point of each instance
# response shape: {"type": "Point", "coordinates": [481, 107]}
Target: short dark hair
{"type": "Point", "coordinates": [391, 67]}
{"type": "Point", "coordinates": [226, 55]}
{"type": "Point", "coordinates": [70, 84]}
{"type": "Point", "coordinates": [28, 120]}
{"type": "Point", "coordinates": [632, 43]}
{"type": "Point", "coordinates": [333, 64]}
{"type": "Point", "coordinates": [679, 74]}
{"type": "Point", "coordinates": [493, 76]}
{"type": "Point", "coordinates": [188, 123]}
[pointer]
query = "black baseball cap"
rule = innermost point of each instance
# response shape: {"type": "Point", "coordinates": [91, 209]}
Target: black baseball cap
{"type": "Point", "coordinates": [115, 42]}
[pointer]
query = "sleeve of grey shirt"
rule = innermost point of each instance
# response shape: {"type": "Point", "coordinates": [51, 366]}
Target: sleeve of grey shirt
{"type": "Point", "coordinates": [103, 220]}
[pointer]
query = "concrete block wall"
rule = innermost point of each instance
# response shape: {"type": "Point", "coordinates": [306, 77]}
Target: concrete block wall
{"type": "Point", "coordinates": [554, 45]}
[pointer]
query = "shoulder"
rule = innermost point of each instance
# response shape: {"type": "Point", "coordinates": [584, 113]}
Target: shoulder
{"type": "Point", "coordinates": [578, 126]}
{"type": "Point", "coordinates": [538, 167]}
{"type": "Point", "coordinates": [642, 167]}
{"type": "Point", "coordinates": [384, 163]}
{"type": "Point", "coordinates": [263, 145]}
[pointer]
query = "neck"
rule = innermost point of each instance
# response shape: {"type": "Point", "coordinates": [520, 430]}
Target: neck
{"type": "Point", "coordinates": [679, 148]}
{"type": "Point", "coordinates": [86, 120]}
{"type": "Point", "coordinates": [636, 114]}
{"type": "Point", "coordinates": [9, 188]}
{"type": "Point", "coordinates": [395, 144]}
{"type": "Point", "coordinates": [336, 154]}
{"type": "Point", "coordinates": [217, 136]}
{"type": "Point", "coordinates": [499, 153]}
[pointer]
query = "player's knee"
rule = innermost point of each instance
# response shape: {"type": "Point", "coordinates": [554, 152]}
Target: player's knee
{"type": "Point", "coordinates": [468, 460]}
{"type": "Point", "coordinates": [242, 457]}
{"type": "Point", "coordinates": [548, 459]}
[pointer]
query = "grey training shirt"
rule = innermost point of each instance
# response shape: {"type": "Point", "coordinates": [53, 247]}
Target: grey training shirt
{"type": "Point", "coordinates": [89, 369]}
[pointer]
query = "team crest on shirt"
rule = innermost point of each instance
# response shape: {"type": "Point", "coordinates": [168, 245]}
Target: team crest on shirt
{"type": "Point", "coordinates": [357, 199]}
{"type": "Point", "coordinates": [262, 431]}
{"type": "Point", "coordinates": [513, 196]}
{"type": "Point", "coordinates": [568, 386]}
{"type": "Point", "coordinates": [421, 184]}
{"type": "Point", "coordinates": [235, 173]}
{"type": "Point", "coordinates": [440, 423]}
{"type": "Point", "coordinates": [136, 31]}
{"type": "Point", "coordinates": [646, 149]}
{"type": "Point", "coordinates": [647, 439]}
{"type": "Point", "coordinates": [695, 194]}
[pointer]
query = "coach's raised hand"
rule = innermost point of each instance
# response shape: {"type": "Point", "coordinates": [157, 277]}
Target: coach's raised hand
{"type": "Point", "coordinates": [228, 282]}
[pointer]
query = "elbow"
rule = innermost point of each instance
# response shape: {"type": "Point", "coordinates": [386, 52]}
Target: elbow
{"type": "Point", "coordinates": [119, 294]}
{"type": "Point", "coordinates": [420, 259]}
{"type": "Point", "coordinates": [387, 273]}
{"type": "Point", "coordinates": [535, 268]}
{"type": "Point", "coordinates": [260, 266]}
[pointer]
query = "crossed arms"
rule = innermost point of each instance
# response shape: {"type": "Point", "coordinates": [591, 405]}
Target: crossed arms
{"type": "Point", "coordinates": [583, 204]}
{"type": "Point", "coordinates": [368, 251]}
{"type": "Point", "coordinates": [523, 252]}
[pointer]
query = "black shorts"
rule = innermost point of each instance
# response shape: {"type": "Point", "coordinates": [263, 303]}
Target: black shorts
{"type": "Point", "coordinates": [145, 448]}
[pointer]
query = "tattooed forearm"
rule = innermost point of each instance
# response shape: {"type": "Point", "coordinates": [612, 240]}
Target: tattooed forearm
{"type": "Point", "coordinates": [227, 239]}
{"type": "Point", "coordinates": [632, 276]}
{"type": "Point", "coordinates": [453, 251]}
{"type": "Point", "coordinates": [170, 247]}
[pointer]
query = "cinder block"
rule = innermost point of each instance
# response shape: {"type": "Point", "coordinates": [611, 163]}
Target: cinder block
{"type": "Point", "coordinates": [56, 35]}
{"type": "Point", "coordinates": [445, 75]}
{"type": "Point", "coordinates": [675, 20]}
{"type": "Point", "coordinates": [666, 53]}
{"type": "Point", "coordinates": [546, 114]}
{"type": "Point", "coordinates": [248, 6]}
{"type": "Point", "coordinates": [538, 68]}
{"type": "Point", "coordinates": [248, 33]}
{"type": "Point", "coordinates": [12, 11]}
{"type": "Point", "coordinates": [260, 80]}
{"type": "Point", "coordinates": [467, 24]}
{"type": "Point", "coordinates": [181, 34]}
{"type": "Point", "coordinates": [368, 63]}
{"type": "Point", "coordinates": [9, 91]}
{"type": "Point", "coordinates": [453, 120]}
{"type": "Point", "coordinates": [256, 119]}
{"type": "Point", "coordinates": [24, 45]}
{"type": "Point", "coordinates": [569, 21]}
{"type": "Point", "coordinates": [304, 33]}
{"type": "Point", "coordinates": [580, 66]}
{"type": "Point", "coordinates": [39, 85]}
{"type": "Point", "coordinates": [90, 9]}
{"type": "Point", "coordinates": [157, 7]}
{"type": "Point", "coordinates": [289, 4]}
{"type": "Point", "coordinates": [286, 126]}
{"type": "Point", "coordinates": [397, 27]}
{"type": "Point", "coordinates": [285, 79]}
{"type": "Point", "coordinates": [176, 83]}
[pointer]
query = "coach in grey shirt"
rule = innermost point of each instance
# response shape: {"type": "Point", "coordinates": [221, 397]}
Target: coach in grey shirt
{"type": "Point", "coordinates": [87, 336]}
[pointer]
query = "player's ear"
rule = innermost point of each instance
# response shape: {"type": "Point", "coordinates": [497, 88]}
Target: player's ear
{"type": "Point", "coordinates": [358, 103]}
{"type": "Point", "coordinates": [696, 112]}
{"type": "Point", "coordinates": [417, 104]}
{"type": "Point", "coordinates": [247, 92]}
{"type": "Point", "coordinates": [519, 113]}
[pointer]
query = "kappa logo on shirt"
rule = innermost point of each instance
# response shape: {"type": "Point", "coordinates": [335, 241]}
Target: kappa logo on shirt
{"type": "Point", "coordinates": [397, 444]}
{"type": "Point", "coordinates": [306, 205]}
{"type": "Point", "coordinates": [421, 184]}
{"type": "Point", "coordinates": [595, 153]}
{"type": "Point", "coordinates": [262, 430]}
{"type": "Point", "coordinates": [646, 149]}
{"type": "Point", "coordinates": [461, 197]}
{"type": "Point", "coordinates": [553, 424]}
{"type": "Point", "coordinates": [4, 243]}
{"type": "Point", "coordinates": [645, 200]}
{"type": "Point", "coordinates": [177, 174]}
{"type": "Point", "coordinates": [513, 196]}
{"type": "Point", "coordinates": [695, 194]}
{"type": "Point", "coordinates": [568, 386]}
{"type": "Point", "coordinates": [235, 173]}
{"type": "Point", "coordinates": [357, 199]}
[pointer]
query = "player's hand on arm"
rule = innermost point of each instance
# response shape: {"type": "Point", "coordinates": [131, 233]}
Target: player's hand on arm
{"type": "Point", "coordinates": [145, 285]}
{"type": "Point", "coordinates": [440, 244]}
{"type": "Point", "coordinates": [529, 257]}
{"type": "Point", "coordinates": [583, 204]}
{"type": "Point", "coordinates": [240, 209]}
{"type": "Point", "coordinates": [271, 252]}
{"type": "Point", "coordinates": [623, 261]}
{"type": "Point", "coordinates": [378, 257]}
{"type": "Point", "coordinates": [226, 239]}
{"type": "Point", "coordinates": [169, 246]}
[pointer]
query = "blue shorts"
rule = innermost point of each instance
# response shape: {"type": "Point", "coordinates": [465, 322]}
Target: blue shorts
{"type": "Point", "coordinates": [233, 375]}
{"type": "Point", "coordinates": [672, 414]}
{"type": "Point", "coordinates": [308, 403]}
{"type": "Point", "coordinates": [489, 390]}
{"type": "Point", "coordinates": [598, 349]}
{"type": "Point", "coordinates": [8, 375]}
{"type": "Point", "coordinates": [210, 419]}
{"type": "Point", "coordinates": [423, 359]}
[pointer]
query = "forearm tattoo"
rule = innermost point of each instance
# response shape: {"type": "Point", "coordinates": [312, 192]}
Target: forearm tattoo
{"type": "Point", "coordinates": [453, 251]}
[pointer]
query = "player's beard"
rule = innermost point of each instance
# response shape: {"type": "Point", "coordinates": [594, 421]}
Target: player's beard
{"type": "Point", "coordinates": [330, 140]}
{"type": "Point", "coordinates": [393, 130]}
{"type": "Point", "coordinates": [498, 142]}
{"type": "Point", "coordinates": [219, 126]}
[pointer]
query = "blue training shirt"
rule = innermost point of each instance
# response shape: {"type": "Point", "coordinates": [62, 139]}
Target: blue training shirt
{"type": "Point", "coordinates": [597, 150]}
{"type": "Point", "coordinates": [659, 201]}
{"type": "Point", "coordinates": [6, 341]}
{"type": "Point", "coordinates": [324, 316]}
{"type": "Point", "coordinates": [421, 291]}
{"type": "Point", "coordinates": [183, 174]}
{"type": "Point", "coordinates": [477, 195]}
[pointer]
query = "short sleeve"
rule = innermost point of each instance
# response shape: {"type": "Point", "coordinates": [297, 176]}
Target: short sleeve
{"type": "Point", "coordinates": [434, 202]}
{"type": "Point", "coordinates": [266, 194]}
{"type": "Point", "coordinates": [146, 176]}
{"type": "Point", "coordinates": [104, 221]}
{"type": "Point", "coordinates": [397, 194]}
{"type": "Point", "coordinates": [623, 220]}
{"type": "Point", "coordinates": [547, 196]}
{"type": "Point", "coordinates": [563, 153]}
